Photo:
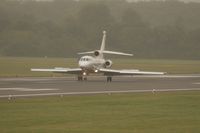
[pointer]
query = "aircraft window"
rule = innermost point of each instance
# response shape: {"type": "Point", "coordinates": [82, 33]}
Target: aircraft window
{"type": "Point", "coordinates": [85, 59]}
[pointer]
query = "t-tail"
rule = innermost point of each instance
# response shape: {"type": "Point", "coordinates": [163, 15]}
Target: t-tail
{"type": "Point", "coordinates": [99, 53]}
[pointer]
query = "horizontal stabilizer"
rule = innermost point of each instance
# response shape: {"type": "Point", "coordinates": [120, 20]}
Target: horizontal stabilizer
{"type": "Point", "coordinates": [107, 52]}
{"type": "Point", "coordinates": [116, 53]}
{"type": "Point", "coordinates": [89, 52]}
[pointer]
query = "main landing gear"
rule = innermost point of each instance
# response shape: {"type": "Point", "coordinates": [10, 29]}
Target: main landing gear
{"type": "Point", "coordinates": [81, 78]}
{"type": "Point", "coordinates": [84, 78]}
{"type": "Point", "coordinates": [109, 79]}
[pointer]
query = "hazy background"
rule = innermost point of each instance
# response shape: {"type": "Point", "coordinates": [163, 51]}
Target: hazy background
{"type": "Point", "coordinates": [61, 28]}
{"type": "Point", "coordinates": [164, 0]}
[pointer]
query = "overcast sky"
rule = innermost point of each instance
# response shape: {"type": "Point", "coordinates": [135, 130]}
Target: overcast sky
{"type": "Point", "coordinates": [140, 0]}
{"type": "Point", "coordinates": [164, 0]}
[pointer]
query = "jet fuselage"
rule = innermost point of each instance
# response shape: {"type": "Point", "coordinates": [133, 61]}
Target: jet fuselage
{"type": "Point", "coordinates": [91, 64]}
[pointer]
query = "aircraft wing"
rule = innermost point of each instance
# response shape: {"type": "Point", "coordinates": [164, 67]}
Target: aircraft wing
{"type": "Point", "coordinates": [59, 70]}
{"type": "Point", "coordinates": [113, 72]}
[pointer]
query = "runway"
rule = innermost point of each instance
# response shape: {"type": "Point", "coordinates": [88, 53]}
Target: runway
{"type": "Point", "coordinates": [26, 87]}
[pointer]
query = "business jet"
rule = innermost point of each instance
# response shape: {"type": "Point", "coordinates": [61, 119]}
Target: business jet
{"type": "Point", "coordinates": [98, 64]}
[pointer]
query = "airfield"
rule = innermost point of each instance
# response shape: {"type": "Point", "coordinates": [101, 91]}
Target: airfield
{"type": "Point", "coordinates": [47, 86]}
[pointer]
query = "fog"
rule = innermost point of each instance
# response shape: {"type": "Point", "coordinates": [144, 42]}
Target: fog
{"type": "Point", "coordinates": [65, 27]}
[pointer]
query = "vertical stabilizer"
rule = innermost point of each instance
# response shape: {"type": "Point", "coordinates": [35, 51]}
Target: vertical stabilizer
{"type": "Point", "coordinates": [103, 42]}
{"type": "Point", "coordinates": [99, 53]}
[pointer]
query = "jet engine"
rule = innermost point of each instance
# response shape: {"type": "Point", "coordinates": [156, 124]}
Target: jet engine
{"type": "Point", "coordinates": [108, 63]}
{"type": "Point", "coordinates": [96, 53]}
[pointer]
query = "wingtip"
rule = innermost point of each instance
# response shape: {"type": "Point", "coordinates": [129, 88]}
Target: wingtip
{"type": "Point", "coordinates": [33, 69]}
{"type": "Point", "coordinates": [130, 54]}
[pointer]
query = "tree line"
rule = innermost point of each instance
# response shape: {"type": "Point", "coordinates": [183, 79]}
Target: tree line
{"type": "Point", "coordinates": [61, 28]}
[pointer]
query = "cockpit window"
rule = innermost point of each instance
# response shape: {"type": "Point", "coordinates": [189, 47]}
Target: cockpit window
{"type": "Point", "coordinates": [85, 59]}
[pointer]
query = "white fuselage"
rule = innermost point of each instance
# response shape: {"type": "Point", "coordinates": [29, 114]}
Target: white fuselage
{"type": "Point", "coordinates": [91, 64]}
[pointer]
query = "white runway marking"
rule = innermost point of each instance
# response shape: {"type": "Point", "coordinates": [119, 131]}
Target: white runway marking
{"type": "Point", "coordinates": [197, 83]}
{"type": "Point", "coordinates": [35, 79]}
{"type": "Point", "coordinates": [26, 89]}
{"type": "Point", "coordinates": [98, 92]}
{"type": "Point", "coordinates": [168, 76]}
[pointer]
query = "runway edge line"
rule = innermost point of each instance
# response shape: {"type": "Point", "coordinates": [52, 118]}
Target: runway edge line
{"type": "Point", "coordinates": [98, 92]}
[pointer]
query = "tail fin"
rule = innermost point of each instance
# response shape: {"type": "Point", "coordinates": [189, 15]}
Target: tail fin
{"type": "Point", "coordinates": [103, 42]}
{"type": "Point", "coordinates": [99, 53]}
{"type": "Point", "coordinates": [103, 51]}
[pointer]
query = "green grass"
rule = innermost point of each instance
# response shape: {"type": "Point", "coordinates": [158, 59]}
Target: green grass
{"type": "Point", "coordinates": [166, 112]}
{"type": "Point", "coordinates": [15, 67]}
{"type": "Point", "coordinates": [19, 67]}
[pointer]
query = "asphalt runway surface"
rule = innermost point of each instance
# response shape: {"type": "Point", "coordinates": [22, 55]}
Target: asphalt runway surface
{"type": "Point", "coordinates": [29, 87]}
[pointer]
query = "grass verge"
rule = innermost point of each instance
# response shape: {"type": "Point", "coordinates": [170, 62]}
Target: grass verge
{"type": "Point", "coordinates": [20, 67]}
{"type": "Point", "coordinates": [166, 112]}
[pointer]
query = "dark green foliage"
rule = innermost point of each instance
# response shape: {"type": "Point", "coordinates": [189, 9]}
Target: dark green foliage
{"type": "Point", "coordinates": [62, 28]}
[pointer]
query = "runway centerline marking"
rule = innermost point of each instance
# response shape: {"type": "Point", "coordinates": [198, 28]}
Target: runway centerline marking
{"type": "Point", "coordinates": [99, 92]}
{"type": "Point", "coordinates": [26, 89]}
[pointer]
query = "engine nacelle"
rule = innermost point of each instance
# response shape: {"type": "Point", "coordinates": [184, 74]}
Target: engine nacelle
{"type": "Point", "coordinates": [96, 53]}
{"type": "Point", "coordinates": [108, 63]}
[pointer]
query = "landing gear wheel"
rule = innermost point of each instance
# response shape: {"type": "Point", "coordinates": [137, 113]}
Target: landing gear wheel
{"type": "Point", "coordinates": [85, 78]}
{"type": "Point", "coordinates": [109, 79]}
{"type": "Point", "coordinates": [80, 78]}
